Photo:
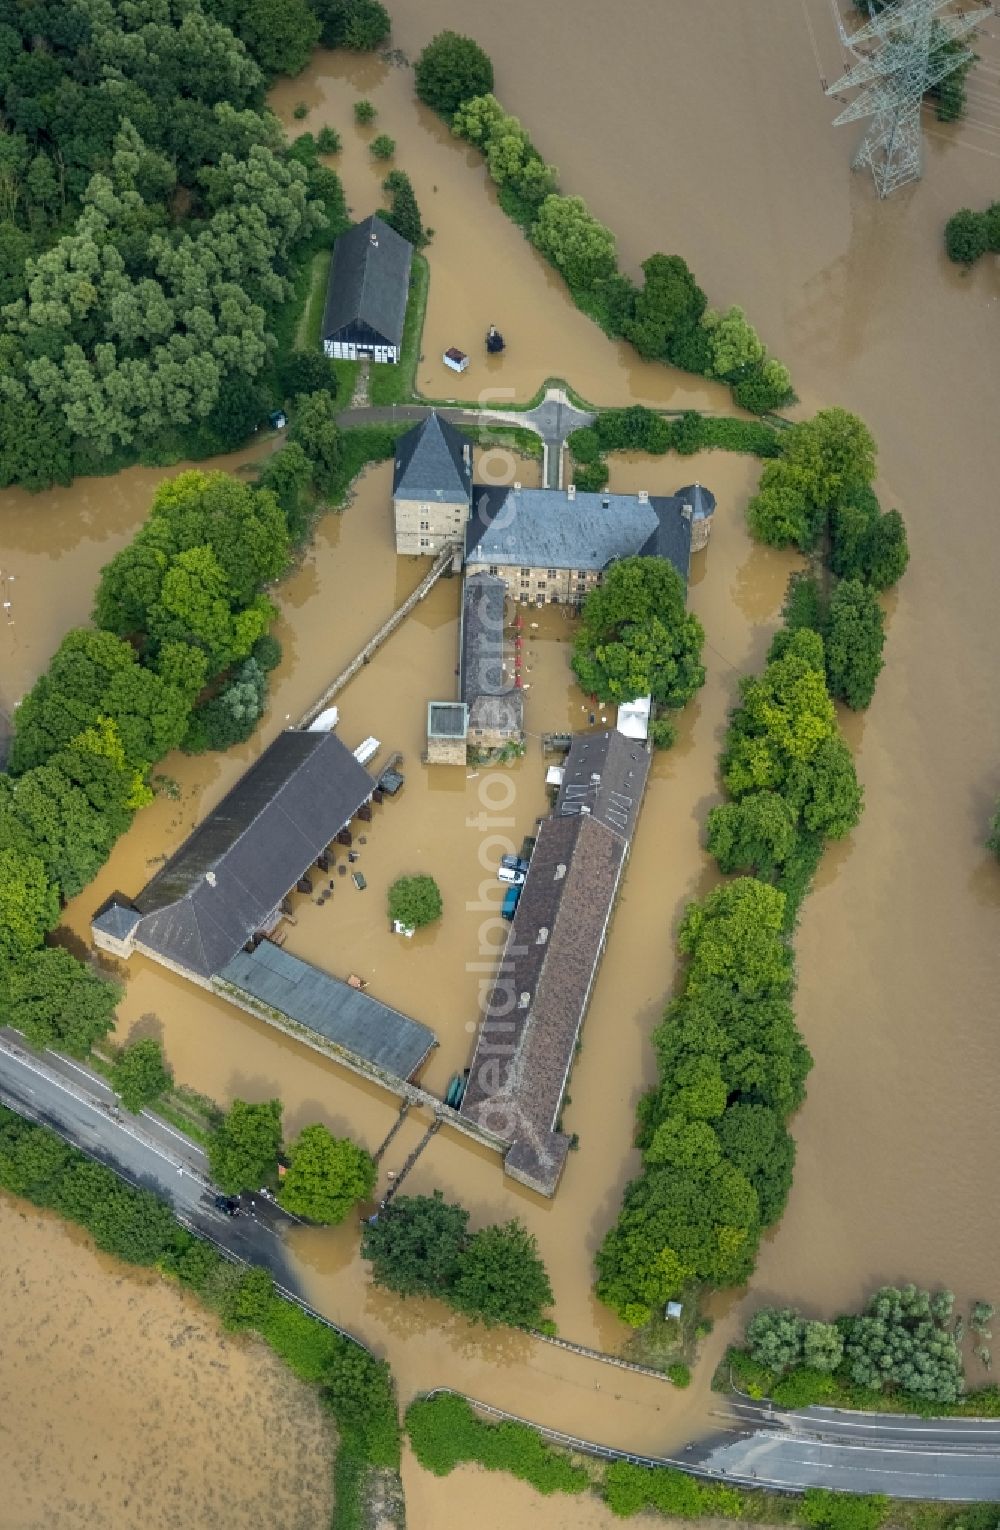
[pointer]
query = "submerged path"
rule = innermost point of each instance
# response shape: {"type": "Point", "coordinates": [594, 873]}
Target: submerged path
{"type": "Point", "coordinates": [955, 1460]}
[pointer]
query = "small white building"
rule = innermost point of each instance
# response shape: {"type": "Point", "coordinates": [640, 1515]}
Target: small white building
{"type": "Point", "coordinates": [456, 359]}
{"type": "Point", "coordinates": [633, 717]}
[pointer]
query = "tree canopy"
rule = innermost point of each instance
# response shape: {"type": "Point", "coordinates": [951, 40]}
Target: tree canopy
{"type": "Point", "coordinates": [636, 637]}
{"type": "Point", "coordinates": [450, 70]}
{"type": "Point", "coordinates": [56, 1001]}
{"type": "Point", "coordinates": [243, 1149]}
{"type": "Point", "coordinates": [501, 1278]}
{"type": "Point", "coordinates": [415, 901]}
{"type": "Point", "coordinates": [139, 1074]}
{"type": "Point", "coordinates": [327, 1175]}
{"type": "Point", "coordinates": [826, 460]}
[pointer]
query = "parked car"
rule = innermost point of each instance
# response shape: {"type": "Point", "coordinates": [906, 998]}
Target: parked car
{"type": "Point", "coordinates": [510, 902]}
{"type": "Point", "coordinates": [508, 874]}
{"type": "Point", "coordinates": [515, 862]}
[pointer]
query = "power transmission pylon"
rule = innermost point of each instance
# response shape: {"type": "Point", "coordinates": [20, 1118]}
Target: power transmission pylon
{"type": "Point", "coordinates": [906, 59]}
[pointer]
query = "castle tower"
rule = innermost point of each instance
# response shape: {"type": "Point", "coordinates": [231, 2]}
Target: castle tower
{"type": "Point", "coordinates": [431, 488]}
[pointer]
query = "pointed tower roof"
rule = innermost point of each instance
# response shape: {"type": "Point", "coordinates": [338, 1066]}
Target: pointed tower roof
{"type": "Point", "coordinates": [433, 460]}
{"type": "Point", "coordinates": [701, 500]}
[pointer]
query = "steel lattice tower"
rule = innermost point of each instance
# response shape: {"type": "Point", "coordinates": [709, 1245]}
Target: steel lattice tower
{"type": "Point", "coordinates": [899, 59]}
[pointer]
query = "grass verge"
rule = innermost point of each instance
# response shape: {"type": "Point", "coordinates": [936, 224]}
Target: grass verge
{"type": "Point", "coordinates": [396, 384]}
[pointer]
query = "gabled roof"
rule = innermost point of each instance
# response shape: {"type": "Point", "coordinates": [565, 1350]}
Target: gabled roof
{"type": "Point", "coordinates": [433, 461]}
{"type": "Point", "coordinates": [239, 863]}
{"type": "Point", "coordinates": [604, 778]}
{"type": "Point", "coordinates": [549, 528]}
{"type": "Point", "coordinates": [369, 281]}
{"type": "Point", "coordinates": [481, 658]}
{"type": "Point", "coordinates": [352, 1021]}
{"type": "Point", "coordinates": [117, 920]}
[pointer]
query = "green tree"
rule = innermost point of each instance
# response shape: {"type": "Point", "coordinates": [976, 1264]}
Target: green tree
{"type": "Point", "coordinates": [404, 214]}
{"type": "Point", "coordinates": [327, 1176]}
{"type": "Point", "coordinates": [415, 1244]}
{"type": "Point", "coordinates": [736, 347]}
{"type": "Point", "coordinates": [56, 1001]}
{"type": "Point", "coordinates": [965, 236]}
{"type": "Point", "coordinates": [415, 901]}
{"type": "Point", "coordinates": [140, 1074]}
{"type": "Point", "coordinates": [636, 638]}
{"type": "Point", "coordinates": [359, 25]}
{"type": "Point", "coordinates": [755, 834]}
{"type": "Point", "coordinates": [32, 1161]}
{"type": "Point", "coordinates": [822, 1346]}
{"type": "Point", "coordinates": [735, 934]}
{"type": "Point", "coordinates": [314, 429]}
{"type": "Point", "coordinates": [993, 838]}
{"type": "Point", "coordinates": [450, 70]}
{"type": "Point", "coordinates": [775, 1336]}
{"type": "Point", "coordinates": [29, 904]}
{"type": "Point", "coordinates": [826, 459]}
{"type": "Point", "coordinates": [855, 636]}
{"type": "Point", "coordinates": [501, 1278]}
{"type": "Point", "coordinates": [288, 476]}
{"type": "Point", "coordinates": [568, 235]}
{"type": "Point", "coordinates": [382, 147]}
{"type": "Point", "coordinates": [669, 303]}
{"type": "Point", "coordinates": [69, 696]}
{"type": "Point", "coordinates": [230, 717]}
{"type": "Point", "coordinates": [904, 1340]}
{"type": "Point", "coordinates": [867, 544]}
{"type": "Point", "coordinates": [243, 1149]}
{"type": "Point", "coordinates": [767, 386]}
{"type": "Point", "coordinates": [280, 34]}
{"type": "Point", "coordinates": [364, 112]}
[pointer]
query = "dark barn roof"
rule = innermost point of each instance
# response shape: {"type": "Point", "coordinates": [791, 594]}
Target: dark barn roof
{"type": "Point", "coordinates": [369, 283]}
{"type": "Point", "coordinates": [239, 863]}
{"type": "Point", "coordinates": [351, 1020]}
{"type": "Point", "coordinates": [433, 461]}
{"type": "Point", "coordinates": [547, 528]}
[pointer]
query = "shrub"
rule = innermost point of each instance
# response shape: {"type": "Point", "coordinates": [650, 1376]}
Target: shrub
{"type": "Point", "coordinates": [855, 636]}
{"type": "Point", "coordinates": [301, 110]}
{"type": "Point", "coordinates": [444, 1432]}
{"type": "Point", "coordinates": [327, 1176]}
{"type": "Point", "coordinates": [382, 147]}
{"type": "Point", "coordinates": [450, 70]}
{"type": "Point", "coordinates": [243, 1149]}
{"type": "Point", "coordinates": [359, 25]}
{"type": "Point", "coordinates": [404, 214]}
{"type": "Point", "coordinates": [328, 141]}
{"type": "Point", "coordinates": [585, 445]}
{"type": "Point", "coordinates": [266, 652]}
{"type": "Point", "coordinates": [364, 112]}
{"type": "Point", "coordinates": [680, 1374]}
{"type": "Point", "coordinates": [591, 477]}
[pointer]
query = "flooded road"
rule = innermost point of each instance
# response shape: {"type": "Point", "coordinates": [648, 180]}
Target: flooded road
{"type": "Point", "coordinates": [897, 951]}
{"type": "Point", "coordinates": [124, 1404]}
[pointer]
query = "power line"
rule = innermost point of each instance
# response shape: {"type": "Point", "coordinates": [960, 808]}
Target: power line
{"type": "Point", "coordinates": [892, 77]}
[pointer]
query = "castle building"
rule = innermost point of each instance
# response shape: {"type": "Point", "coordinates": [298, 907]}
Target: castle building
{"type": "Point", "coordinates": [431, 488]}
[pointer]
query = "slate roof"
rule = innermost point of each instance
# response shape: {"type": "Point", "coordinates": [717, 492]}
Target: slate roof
{"type": "Point", "coordinates": [433, 461]}
{"type": "Point", "coordinates": [369, 282]}
{"type": "Point", "coordinates": [239, 863]}
{"type": "Point", "coordinates": [604, 774]}
{"type": "Point", "coordinates": [701, 500]}
{"type": "Point", "coordinates": [481, 671]}
{"type": "Point", "coordinates": [447, 719]}
{"type": "Point", "coordinates": [546, 528]}
{"type": "Point", "coordinates": [532, 1020]}
{"type": "Point", "coordinates": [117, 920]}
{"type": "Point", "coordinates": [350, 1019]}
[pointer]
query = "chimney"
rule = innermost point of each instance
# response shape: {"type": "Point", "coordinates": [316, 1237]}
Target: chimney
{"type": "Point", "coordinates": [644, 496]}
{"type": "Point", "coordinates": [571, 492]}
{"type": "Point", "coordinates": [517, 487]}
{"type": "Point", "coordinates": [686, 512]}
{"type": "Point", "coordinates": [467, 454]}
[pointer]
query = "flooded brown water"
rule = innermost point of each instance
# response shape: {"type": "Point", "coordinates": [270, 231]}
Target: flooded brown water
{"type": "Point", "coordinates": [124, 1404]}
{"type": "Point", "coordinates": [491, 1501]}
{"type": "Point", "coordinates": [897, 952]}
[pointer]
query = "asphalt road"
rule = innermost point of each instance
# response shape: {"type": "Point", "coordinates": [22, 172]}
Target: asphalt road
{"type": "Point", "coordinates": [953, 1459]}
{"type": "Point", "coordinates": [61, 1094]}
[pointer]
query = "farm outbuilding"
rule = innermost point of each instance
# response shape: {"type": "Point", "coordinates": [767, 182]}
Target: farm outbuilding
{"type": "Point", "coordinates": [366, 297]}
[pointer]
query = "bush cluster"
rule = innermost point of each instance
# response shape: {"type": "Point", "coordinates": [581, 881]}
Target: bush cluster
{"type": "Point", "coordinates": [902, 1344]}
{"type": "Point", "coordinates": [420, 1246]}
{"type": "Point", "coordinates": [636, 637]}
{"type": "Point", "coordinates": [324, 1176]}
{"type": "Point", "coordinates": [667, 318]}
{"type": "Point", "coordinates": [445, 1432]}
{"type": "Point", "coordinates": [638, 429]}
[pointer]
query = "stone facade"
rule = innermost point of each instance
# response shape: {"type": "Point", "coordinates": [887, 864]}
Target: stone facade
{"type": "Point", "coordinates": [426, 527]}
{"type": "Point", "coordinates": [541, 586]}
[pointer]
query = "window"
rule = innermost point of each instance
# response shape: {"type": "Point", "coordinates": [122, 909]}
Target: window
{"type": "Point", "coordinates": [425, 525]}
{"type": "Point", "coordinates": [525, 572]}
{"type": "Point", "coordinates": [525, 579]}
{"type": "Point", "coordinates": [541, 584]}
{"type": "Point", "coordinates": [494, 568]}
{"type": "Point", "coordinates": [552, 573]}
{"type": "Point", "coordinates": [425, 541]}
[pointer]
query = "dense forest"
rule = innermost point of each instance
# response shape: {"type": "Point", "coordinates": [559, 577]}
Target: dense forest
{"type": "Point", "coordinates": [152, 223]}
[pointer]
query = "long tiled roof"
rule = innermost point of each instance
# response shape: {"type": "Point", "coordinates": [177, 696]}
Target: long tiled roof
{"type": "Point", "coordinates": [239, 863]}
{"type": "Point", "coordinates": [536, 1008]}
{"type": "Point", "coordinates": [369, 282]}
{"type": "Point", "coordinates": [547, 528]}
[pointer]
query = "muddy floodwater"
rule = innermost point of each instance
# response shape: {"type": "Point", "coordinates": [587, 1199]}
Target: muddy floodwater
{"type": "Point", "coordinates": [701, 130]}
{"type": "Point", "coordinates": [124, 1404]}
